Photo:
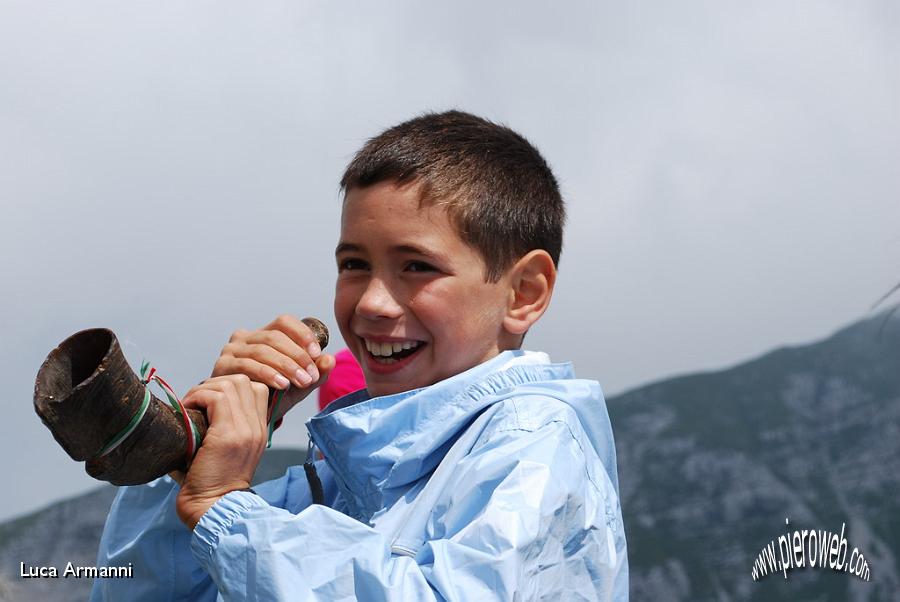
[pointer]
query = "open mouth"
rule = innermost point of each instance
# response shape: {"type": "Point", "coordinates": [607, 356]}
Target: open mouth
{"type": "Point", "coordinates": [392, 352]}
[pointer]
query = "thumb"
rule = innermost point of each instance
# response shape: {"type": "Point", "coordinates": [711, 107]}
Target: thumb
{"type": "Point", "coordinates": [294, 395]}
{"type": "Point", "coordinates": [177, 476]}
{"type": "Point", "coordinates": [325, 363]}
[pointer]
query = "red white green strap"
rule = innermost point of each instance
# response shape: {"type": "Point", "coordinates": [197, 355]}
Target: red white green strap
{"type": "Point", "coordinates": [148, 374]}
{"type": "Point", "coordinates": [119, 437]}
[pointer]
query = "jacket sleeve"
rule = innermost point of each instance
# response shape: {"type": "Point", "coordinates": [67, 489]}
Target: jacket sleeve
{"type": "Point", "coordinates": [521, 517]}
{"type": "Point", "coordinates": [143, 531]}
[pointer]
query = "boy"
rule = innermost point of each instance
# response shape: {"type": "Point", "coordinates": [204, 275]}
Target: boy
{"type": "Point", "coordinates": [468, 469]}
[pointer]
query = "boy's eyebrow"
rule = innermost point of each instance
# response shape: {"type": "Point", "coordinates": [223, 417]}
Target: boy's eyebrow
{"type": "Point", "coordinates": [349, 247]}
{"type": "Point", "coordinates": [416, 250]}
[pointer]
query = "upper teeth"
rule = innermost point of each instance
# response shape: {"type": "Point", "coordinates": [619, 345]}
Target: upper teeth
{"type": "Point", "coordinates": [386, 349]}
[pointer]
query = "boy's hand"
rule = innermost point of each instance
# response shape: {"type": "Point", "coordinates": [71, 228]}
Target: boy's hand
{"type": "Point", "coordinates": [283, 355]}
{"type": "Point", "coordinates": [236, 410]}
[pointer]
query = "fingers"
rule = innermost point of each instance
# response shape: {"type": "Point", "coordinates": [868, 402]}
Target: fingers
{"type": "Point", "coordinates": [298, 332]}
{"type": "Point", "coordinates": [325, 364]}
{"type": "Point", "coordinates": [283, 352]}
{"type": "Point", "coordinates": [255, 370]}
{"type": "Point", "coordinates": [276, 349]}
{"type": "Point", "coordinates": [234, 405]}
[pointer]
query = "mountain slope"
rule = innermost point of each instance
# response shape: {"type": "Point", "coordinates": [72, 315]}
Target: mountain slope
{"type": "Point", "coordinates": [711, 465]}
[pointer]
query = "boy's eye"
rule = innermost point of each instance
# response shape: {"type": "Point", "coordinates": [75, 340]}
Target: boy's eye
{"type": "Point", "coordinates": [419, 266]}
{"type": "Point", "coordinates": [351, 264]}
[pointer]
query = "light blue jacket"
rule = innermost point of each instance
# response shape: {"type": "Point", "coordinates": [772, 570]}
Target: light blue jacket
{"type": "Point", "coordinates": [496, 484]}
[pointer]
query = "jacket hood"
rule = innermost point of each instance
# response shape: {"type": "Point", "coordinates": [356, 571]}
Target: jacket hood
{"type": "Point", "coordinates": [376, 445]}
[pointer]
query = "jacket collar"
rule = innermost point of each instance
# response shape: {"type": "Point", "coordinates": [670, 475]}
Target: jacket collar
{"type": "Point", "coordinates": [382, 443]}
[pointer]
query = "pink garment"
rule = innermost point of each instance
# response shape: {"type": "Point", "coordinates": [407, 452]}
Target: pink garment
{"type": "Point", "coordinates": [346, 377]}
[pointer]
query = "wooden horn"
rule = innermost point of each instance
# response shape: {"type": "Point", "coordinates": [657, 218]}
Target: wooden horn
{"type": "Point", "coordinates": [86, 393]}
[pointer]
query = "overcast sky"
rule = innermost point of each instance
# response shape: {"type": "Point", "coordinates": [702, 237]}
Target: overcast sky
{"type": "Point", "coordinates": [169, 170]}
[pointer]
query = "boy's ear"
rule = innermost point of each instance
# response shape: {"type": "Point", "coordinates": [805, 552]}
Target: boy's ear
{"type": "Point", "coordinates": [531, 285]}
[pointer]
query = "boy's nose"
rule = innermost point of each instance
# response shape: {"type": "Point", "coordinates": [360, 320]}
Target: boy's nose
{"type": "Point", "coordinates": [377, 301]}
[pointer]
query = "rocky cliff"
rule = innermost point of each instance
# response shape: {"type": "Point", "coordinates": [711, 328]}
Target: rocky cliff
{"type": "Point", "coordinates": [712, 465]}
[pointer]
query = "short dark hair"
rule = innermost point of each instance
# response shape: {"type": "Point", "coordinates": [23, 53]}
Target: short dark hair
{"type": "Point", "coordinates": [497, 188]}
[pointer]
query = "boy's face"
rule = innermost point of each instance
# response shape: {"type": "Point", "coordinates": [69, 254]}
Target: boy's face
{"type": "Point", "coordinates": [411, 300]}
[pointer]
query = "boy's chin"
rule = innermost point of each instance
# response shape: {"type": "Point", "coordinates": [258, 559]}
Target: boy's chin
{"type": "Point", "coordinates": [379, 386]}
{"type": "Point", "coordinates": [382, 390]}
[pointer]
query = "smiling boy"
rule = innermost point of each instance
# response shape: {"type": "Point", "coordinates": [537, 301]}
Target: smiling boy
{"type": "Point", "coordinates": [406, 277]}
{"type": "Point", "coordinates": [467, 470]}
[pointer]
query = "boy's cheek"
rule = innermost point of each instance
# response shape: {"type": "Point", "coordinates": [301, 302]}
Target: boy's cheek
{"type": "Point", "coordinates": [343, 312]}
